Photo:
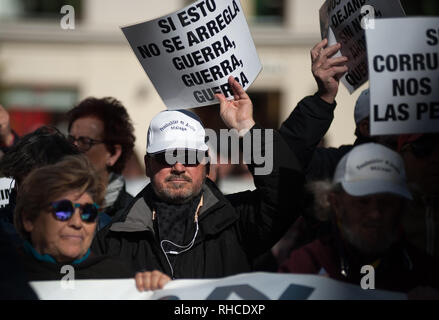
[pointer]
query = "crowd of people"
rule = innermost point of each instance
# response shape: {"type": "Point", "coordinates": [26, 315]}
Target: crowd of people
{"type": "Point", "coordinates": [323, 211]}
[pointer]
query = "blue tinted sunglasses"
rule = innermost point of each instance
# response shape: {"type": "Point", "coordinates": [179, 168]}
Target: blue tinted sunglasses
{"type": "Point", "coordinates": [63, 210]}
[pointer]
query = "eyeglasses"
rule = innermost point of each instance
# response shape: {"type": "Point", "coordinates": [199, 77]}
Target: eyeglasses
{"type": "Point", "coordinates": [185, 157]}
{"type": "Point", "coordinates": [84, 143]}
{"type": "Point", "coordinates": [63, 210]}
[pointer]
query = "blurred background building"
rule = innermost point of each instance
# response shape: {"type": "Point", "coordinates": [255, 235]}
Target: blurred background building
{"type": "Point", "coordinates": [45, 70]}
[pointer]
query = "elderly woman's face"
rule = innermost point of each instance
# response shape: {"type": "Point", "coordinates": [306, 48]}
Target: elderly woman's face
{"type": "Point", "coordinates": [63, 240]}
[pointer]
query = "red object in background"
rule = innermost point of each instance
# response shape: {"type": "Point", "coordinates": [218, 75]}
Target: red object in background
{"type": "Point", "coordinates": [25, 121]}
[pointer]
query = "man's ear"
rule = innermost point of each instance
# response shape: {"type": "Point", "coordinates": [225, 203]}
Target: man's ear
{"type": "Point", "coordinates": [112, 159]}
{"type": "Point", "coordinates": [147, 166]}
{"type": "Point", "coordinates": [363, 127]}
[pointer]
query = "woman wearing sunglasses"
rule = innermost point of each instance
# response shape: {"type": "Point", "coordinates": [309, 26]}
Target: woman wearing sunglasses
{"type": "Point", "coordinates": [56, 214]}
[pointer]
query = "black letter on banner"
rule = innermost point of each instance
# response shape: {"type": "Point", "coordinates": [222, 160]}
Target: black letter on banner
{"type": "Point", "coordinates": [244, 291]}
{"type": "Point", "coordinates": [148, 51]}
{"type": "Point", "coordinates": [296, 292]}
{"type": "Point", "coordinates": [375, 63]}
{"type": "Point", "coordinates": [433, 37]}
{"type": "Point", "coordinates": [403, 112]}
{"type": "Point", "coordinates": [164, 25]}
{"type": "Point", "coordinates": [169, 298]}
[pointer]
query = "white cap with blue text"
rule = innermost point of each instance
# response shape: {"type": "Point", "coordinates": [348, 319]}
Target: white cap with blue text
{"type": "Point", "coordinates": [175, 129]}
{"type": "Point", "coordinates": [371, 168]}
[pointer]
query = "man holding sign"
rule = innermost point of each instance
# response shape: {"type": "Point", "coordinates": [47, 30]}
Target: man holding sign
{"type": "Point", "coordinates": [311, 119]}
{"type": "Point", "coordinates": [181, 223]}
{"type": "Point", "coordinates": [404, 91]}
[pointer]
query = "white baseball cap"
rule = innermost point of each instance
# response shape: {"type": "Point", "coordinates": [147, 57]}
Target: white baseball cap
{"type": "Point", "coordinates": [362, 106]}
{"type": "Point", "coordinates": [371, 168]}
{"type": "Point", "coordinates": [175, 129]}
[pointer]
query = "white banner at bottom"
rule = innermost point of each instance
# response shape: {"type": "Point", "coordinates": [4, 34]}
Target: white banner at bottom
{"type": "Point", "coordinates": [250, 286]}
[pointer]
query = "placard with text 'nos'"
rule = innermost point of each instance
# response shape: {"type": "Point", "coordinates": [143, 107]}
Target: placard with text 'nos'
{"type": "Point", "coordinates": [404, 81]}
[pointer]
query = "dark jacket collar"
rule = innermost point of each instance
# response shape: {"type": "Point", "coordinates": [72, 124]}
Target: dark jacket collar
{"type": "Point", "coordinates": [138, 217]}
{"type": "Point", "coordinates": [350, 258]}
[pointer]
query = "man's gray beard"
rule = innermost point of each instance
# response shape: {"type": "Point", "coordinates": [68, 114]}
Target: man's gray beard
{"type": "Point", "coordinates": [363, 247]}
{"type": "Point", "coordinates": [177, 198]}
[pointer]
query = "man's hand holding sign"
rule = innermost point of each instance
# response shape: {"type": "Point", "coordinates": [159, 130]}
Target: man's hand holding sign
{"type": "Point", "coordinates": [327, 70]}
{"type": "Point", "coordinates": [237, 113]}
{"type": "Point", "coordinates": [345, 21]}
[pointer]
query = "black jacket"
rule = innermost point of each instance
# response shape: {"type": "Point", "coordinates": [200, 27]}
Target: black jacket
{"type": "Point", "coordinates": [402, 268]}
{"type": "Point", "coordinates": [7, 219]}
{"type": "Point", "coordinates": [94, 267]}
{"type": "Point", "coordinates": [304, 129]}
{"type": "Point", "coordinates": [13, 282]}
{"type": "Point", "coordinates": [233, 229]}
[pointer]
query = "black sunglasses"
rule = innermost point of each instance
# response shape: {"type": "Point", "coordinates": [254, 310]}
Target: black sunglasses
{"type": "Point", "coordinates": [63, 210]}
{"type": "Point", "coordinates": [185, 157]}
{"type": "Point", "coordinates": [84, 143]}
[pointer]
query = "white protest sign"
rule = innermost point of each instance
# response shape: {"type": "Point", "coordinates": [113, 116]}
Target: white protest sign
{"type": "Point", "coordinates": [6, 185]}
{"type": "Point", "coordinates": [404, 76]}
{"type": "Point", "coordinates": [345, 21]}
{"type": "Point", "coordinates": [190, 54]}
{"type": "Point", "coordinates": [250, 286]}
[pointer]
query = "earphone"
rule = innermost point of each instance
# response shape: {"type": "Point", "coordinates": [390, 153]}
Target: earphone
{"type": "Point", "coordinates": [186, 247]}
